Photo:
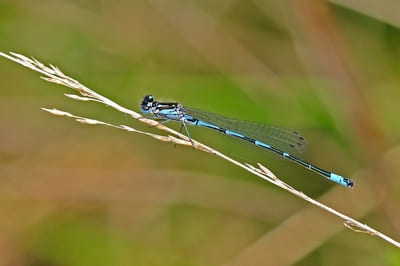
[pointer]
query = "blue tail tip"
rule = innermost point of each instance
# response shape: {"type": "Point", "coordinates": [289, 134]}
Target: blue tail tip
{"type": "Point", "coordinates": [349, 183]}
{"type": "Point", "coordinates": [342, 180]}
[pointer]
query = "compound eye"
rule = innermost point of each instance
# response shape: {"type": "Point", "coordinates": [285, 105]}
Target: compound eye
{"type": "Point", "coordinates": [146, 103]}
{"type": "Point", "coordinates": [148, 98]}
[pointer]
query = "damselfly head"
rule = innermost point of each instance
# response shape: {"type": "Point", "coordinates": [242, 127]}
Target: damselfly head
{"type": "Point", "coordinates": [148, 98]}
{"type": "Point", "coordinates": [147, 103]}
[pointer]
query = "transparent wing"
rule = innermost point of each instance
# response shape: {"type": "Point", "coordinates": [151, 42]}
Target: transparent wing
{"type": "Point", "coordinates": [285, 140]}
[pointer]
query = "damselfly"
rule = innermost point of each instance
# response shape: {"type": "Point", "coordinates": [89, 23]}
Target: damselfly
{"type": "Point", "coordinates": [286, 143]}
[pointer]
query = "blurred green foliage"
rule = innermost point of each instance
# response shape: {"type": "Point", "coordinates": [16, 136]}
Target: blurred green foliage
{"type": "Point", "coordinates": [79, 195]}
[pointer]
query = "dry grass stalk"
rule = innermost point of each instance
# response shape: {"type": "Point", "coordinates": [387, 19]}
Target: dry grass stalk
{"type": "Point", "coordinates": [53, 74]}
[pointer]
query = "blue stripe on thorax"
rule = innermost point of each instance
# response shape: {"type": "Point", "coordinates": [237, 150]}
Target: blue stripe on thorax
{"type": "Point", "coordinates": [169, 114]}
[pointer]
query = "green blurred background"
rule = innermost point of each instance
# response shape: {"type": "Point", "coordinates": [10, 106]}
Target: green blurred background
{"type": "Point", "coordinates": [73, 194]}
